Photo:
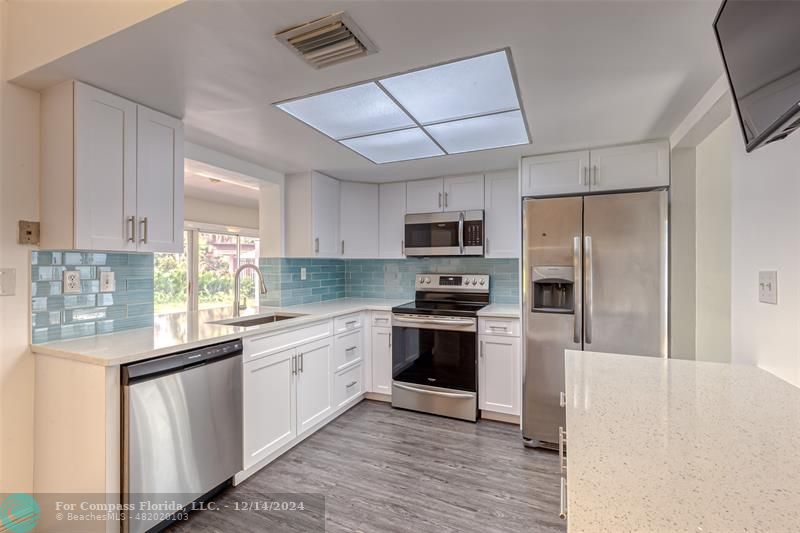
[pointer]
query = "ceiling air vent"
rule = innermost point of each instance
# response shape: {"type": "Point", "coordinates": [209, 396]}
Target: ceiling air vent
{"type": "Point", "coordinates": [327, 41]}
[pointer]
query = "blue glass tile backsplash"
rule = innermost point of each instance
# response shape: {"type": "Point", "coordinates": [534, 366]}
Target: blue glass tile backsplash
{"type": "Point", "coordinates": [327, 279]}
{"type": "Point", "coordinates": [64, 316]}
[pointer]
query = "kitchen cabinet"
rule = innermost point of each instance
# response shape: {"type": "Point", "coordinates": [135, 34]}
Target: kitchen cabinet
{"type": "Point", "coordinates": [501, 212]}
{"type": "Point", "coordinates": [269, 405]}
{"type": "Point", "coordinates": [381, 360]}
{"type": "Point", "coordinates": [359, 220]}
{"type": "Point", "coordinates": [463, 193]}
{"type": "Point", "coordinates": [312, 215]}
{"type": "Point", "coordinates": [499, 374]}
{"type": "Point", "coordinates": [314, 383]}
{"type": "Point", "coordinates": [617, 168]}
{"type": "Point", "coordinates": [111, 173]}
{"type": "Point", "coordinates": [555, 174]}
{"type": "Point", "coordinates": [425, 196]}
{"type": "Point", "coordinates": [392, 207]}
{"type": "Point", "coordinates": [636, 166]}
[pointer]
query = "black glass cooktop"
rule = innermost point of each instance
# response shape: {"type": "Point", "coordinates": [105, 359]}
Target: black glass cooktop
{"type": "Point", "coordinates": [451, 308]}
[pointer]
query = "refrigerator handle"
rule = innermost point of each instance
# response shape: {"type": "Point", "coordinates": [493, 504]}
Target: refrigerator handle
{"type": "Point", "coordinates": [578, 299]}
{"type": "Point", "coordinates": [588, 267]}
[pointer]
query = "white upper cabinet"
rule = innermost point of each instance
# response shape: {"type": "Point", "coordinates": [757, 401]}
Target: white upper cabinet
{"type": "Point", "coordinates": [392, 207]}
{"type": "Point", "coordinates": [463, 193]}
{"type": "Point", "coordinates": [159, 189]}
{"type": "Point", "coordinates": [425, 196]}
{"type": "Point", "coordinates": [636, 166]}
{"type": "Point", "coordinates": [549, 175]}
{"type": "Point", "coordinates": [359, 219]}
{"type": "Point", "coordinates": [112, 173]}
{"type": "Point", "coordinates": [312, 216]}
{"type": "Point", "coordinates": [325, 213]}
{"type": "Point", "coordinates": [502, 214]}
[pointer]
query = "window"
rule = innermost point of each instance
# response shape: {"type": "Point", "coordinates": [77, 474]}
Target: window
{"type": "Point", "coordinates": [209, 262]}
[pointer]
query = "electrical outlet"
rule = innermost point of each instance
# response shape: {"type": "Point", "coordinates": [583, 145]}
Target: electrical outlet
{"type": "Point", "coordinates": [302, 273]}
{"type": "Point", "coordinates": [72, 282]}
{"type": "Point", "coordinates": [107, 282]}
{"type": "Point", "coordinates": [8, 281]}
{"type": "Point", "coordinates": [768, 287]}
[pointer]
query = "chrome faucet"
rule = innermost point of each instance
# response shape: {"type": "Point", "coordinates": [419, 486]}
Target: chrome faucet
{"type": "Point", "coordinates": [263, 287]}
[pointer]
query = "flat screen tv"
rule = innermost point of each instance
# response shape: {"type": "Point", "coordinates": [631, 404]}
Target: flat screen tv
{"type": "Point", "coordinates": [760, 45]}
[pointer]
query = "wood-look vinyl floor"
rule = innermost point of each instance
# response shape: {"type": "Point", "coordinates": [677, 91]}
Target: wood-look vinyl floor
{"type": "Point", "coordinates": [387, 470]}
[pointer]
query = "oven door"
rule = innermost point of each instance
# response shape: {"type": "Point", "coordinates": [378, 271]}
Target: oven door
{"type": "Point", "coordinates": [434, 234]}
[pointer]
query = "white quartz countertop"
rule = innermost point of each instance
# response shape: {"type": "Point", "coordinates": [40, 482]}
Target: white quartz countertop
{"type": "Point", "coordinates": [183, 331]}
{"type": "Point", "coordinates": [658, 445]}
{"type": "Point", "coordinates": [500, 310]}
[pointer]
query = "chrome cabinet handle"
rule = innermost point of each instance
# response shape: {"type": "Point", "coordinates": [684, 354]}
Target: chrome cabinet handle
{"type": "Point", "coordinates": [316, 245]}
{"type": "Point", "coordinates": [445, 199]}
{"type": "Point", "coordinates": [584, 180]}
{"type": "Point", "coordinates": [294, 365]}
{"type": "Point", "coordinates": [403, 247]}
{"type": "Point", "coordinates": [143, 224]}
{"type": "Point", "coordinates": [487, 245]}
{"type": "Point", "coordinates": [390, 340]}
{"type": "Point", "coordinates": [131, 229]}
{"type": "Point", "coordinates": [350, 349]}
{"type": "Point", "coordinates": [432, 392]}
{"type": "Point", "coordinates": [588, 265]}
{"type": "Point", "coordinates": [342, 246]}
{"type": "Point", "coordinates": [594, 174]}
{"type": "Point", "coordinates": [578, 306]}
{"type": "Point", "coordinates": [301, 363]}
{"type": "Point", "coordinates": [562, 449]}
{"type": "Point", "coordinates": [562, 399]}
{"type": "Point", "coordinates": [351, 384]}
{"type": "Point", "coordinates": [440, 199]}
{"type": "Point", "coordinates": [501, 328]}
{"type": "Point", "coordinates": [461, 233]}
{"type": "Point", "coordinates": [480, 350]}
{"type": "Point", "coordinates": [562, 513]}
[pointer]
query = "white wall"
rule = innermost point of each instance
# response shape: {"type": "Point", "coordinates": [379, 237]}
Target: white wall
{"type": "Point", "coordinates": [766, 236]}
{"type": "Point", "coordinates": [682, 257]}
{"type": "Point", "coordinates": [199, 210]}
{"type": "Point", "coordinates": [713, 245]}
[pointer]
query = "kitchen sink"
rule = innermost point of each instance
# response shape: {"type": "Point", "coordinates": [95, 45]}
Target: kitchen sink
{"type": "Point", "coordinates": [249, 321]}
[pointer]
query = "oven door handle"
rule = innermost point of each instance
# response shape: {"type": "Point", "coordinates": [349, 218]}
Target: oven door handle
{"type": "Point", "coordinates": [433, 392]}
{"type": "Point", "coordinates": [468, 322]}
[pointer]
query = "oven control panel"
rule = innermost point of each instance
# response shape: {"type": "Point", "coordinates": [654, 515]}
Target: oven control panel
{"type": "Point", "coordinates": [453, 282]}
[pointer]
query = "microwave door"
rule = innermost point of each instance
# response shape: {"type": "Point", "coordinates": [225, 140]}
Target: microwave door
{"type": "Point", "coordinates": [432, 234]}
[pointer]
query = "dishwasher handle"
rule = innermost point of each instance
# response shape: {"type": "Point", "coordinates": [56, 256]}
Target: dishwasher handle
{"type": "Point", "coordinates": [172, 363]}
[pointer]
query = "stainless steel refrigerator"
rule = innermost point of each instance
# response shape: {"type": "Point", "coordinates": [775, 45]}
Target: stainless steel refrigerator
{"type": "Point", "coordinates": [595, 277]}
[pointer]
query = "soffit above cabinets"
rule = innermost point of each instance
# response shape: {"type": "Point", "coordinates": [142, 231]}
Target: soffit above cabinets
{"type": "Point", "coordinates": [461, 106]}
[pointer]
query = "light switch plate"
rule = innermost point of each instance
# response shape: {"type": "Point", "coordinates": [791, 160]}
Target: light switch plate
{"type": "Point", "coordinates": [72, 282]}
{"type": "Point", "coordinates": [768, 286]}
{"type": "Point", "coordinates": [107, 282]}
{"type": "Point", "coordinates": [8, 281]}
{"type": "Point", "coordinates": [302, 273]}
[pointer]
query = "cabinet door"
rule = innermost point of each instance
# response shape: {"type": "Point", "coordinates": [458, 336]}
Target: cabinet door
{"type": "Point", "coordinates": [159, 182]}
{"type": "Point", "coordinates": [638, 166]}
{"type": "Point", "coordinates": [502, 214]}
{"type": "Point", "coordinates": [359, 219]}
{"type": "Point", "coordinates": [105, 170]}
{"type": "Point", "coordinates": [392, 204]}
{"type": "Point", "coordinates": [314, 383]}
{"type": "Point", "coordinates": [552, 175]}
{"type": "Point", "coordinates": [269, 406]}
{"type": "Point", "coordinates": [382, 360]}
{"type": "Point", "coordinates": [500, 383]}
{"type": "Point", "coordinates": [463, 193]}
{"type": "Point", "coordinates": [325, 214]}
{"type": "Point", "coordinates": [425, 196]}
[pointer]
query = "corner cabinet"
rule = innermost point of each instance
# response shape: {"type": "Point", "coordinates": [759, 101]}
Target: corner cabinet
{"type": "Point", "coordinates": [111, 175]}
{"type": "Point", "coordinates": [392, 212]}
{"type": "Point", "coordinates": [617, 168]}
{"type": "Point", "coordinates": [502, 214]}
{"type": "Point", "coordinates": [359, 220]}
{"type": "Point", "coordinates": [312, 215]}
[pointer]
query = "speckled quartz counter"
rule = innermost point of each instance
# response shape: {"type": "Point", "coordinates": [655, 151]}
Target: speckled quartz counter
{"type": "Point", "coordinates": [500, 311]}
{"type": "Point", "coordinates": [667, 445]}
{"type": "Point", "coordinates": [183, 331]}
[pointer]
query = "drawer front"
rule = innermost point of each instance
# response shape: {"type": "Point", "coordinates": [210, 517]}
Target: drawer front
{"type": "Point", "coordinates": [382, 319]}
{"type": "Point", "coordinates": [508, 327]}
{"type": "Point", "coordinates": [347, 348]}
{"type": "Point", "coordinates": [349, 384]}
{"type": "Point", "coordinates": [258, 346]}
{"type": "Point", "coordinates": [347, 323]}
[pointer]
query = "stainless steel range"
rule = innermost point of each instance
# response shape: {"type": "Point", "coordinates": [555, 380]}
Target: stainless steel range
{"type": "Point", "coordinates": [435, 345]}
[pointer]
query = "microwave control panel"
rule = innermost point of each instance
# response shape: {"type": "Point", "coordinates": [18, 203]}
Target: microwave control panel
{"type": "Point", "coordinates": [473, 233]}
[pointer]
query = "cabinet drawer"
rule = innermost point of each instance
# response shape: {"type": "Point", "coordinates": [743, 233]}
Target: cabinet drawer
{"type": "Point", "coordinates": [347, 323]}
{"type": "Point", "coordinates": [349, 384]}
{"type": "Point", "coordinates": [382, 319]}
{"type": "Point", "coordinates": [508, 327]}
{"type": "Point", "coordinates": [259, 346]}
{"type": "Point", "coordinates": [347, 348]}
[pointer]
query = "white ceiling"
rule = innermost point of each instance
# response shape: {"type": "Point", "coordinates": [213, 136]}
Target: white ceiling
{"type": "Point", "coordinates": [590, 73]}
{"type": "Point", "coordinates": [231, 188]}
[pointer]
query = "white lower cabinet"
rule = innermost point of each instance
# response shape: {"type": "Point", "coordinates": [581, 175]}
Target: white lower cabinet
{"type": "Point", "coordinates": [314, 377]}
{"type": "Point", "coordinates": [499, 374]}
{"type": "Point", "coordinates": [348, 384]}
{"type": "Point", "coordinates": [269, 405]}
{"type": "Point", "coordinates": [381, 360]}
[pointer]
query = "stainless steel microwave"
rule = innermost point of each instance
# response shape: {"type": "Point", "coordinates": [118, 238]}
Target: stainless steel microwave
{"type": "Point", "coordinates": [453, 233]}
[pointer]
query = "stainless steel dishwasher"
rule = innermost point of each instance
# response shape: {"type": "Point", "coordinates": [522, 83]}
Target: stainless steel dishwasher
{"type": "Point", "coordinates": [182, 431]}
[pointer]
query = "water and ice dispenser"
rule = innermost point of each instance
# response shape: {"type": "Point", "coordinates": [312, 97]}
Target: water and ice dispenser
{"type": "Point", "coordinates": [553, 289]}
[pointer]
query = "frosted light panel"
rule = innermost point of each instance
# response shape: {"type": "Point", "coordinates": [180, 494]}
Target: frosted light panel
{"type": "Point", "coordinates": [395, 146]}
{"type": "Point", "coordinates": [481, 133]}
{"type": "Point", "coordinates": [460, 89]}
{"type": "Point", "coordinates": [349, 112]}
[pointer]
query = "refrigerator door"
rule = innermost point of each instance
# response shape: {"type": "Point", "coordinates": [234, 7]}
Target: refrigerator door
{"type": "Point", "coordinates": [552, 237]}
{"type": "Point", "coordinates": [626, 273]}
